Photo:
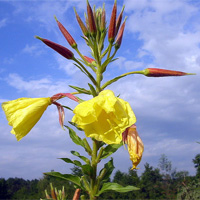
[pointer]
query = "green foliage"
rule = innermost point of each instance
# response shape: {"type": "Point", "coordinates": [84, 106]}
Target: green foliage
{"type": "Point", "coordinates": [196, 162]}
{"type": "Point", "coordinates": [190, 190]}
{"type": "Point", "coordinates": [74, 179]}
{"type": "Point", "coordinates": [116, 187]}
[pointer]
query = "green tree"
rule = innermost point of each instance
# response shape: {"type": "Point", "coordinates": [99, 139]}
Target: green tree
{"type": "Point", "coordinates": [3, 189]}
{"type": "Point", "coordinates": [196, 162]}
{"type": "Point", "coordinates": [150, 184]}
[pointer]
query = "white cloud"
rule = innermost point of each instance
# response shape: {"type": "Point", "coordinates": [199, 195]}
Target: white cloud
{"type": "Point", "coordinates": [3, 22]}
{"type": "Point", "coordinates": [32, 49]}
{"type": "Point", "coordinates": [43, 87]}
{"type": "Point", "coordinates": [165, 28]}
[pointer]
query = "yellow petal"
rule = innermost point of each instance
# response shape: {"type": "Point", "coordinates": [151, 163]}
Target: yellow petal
{"type": "Point", "coordinates": [23, 113]}
{"type": "Point", "coordinates": [104, 117]}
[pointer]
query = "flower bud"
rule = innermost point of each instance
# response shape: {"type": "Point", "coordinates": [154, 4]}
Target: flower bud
{"type": "Point", "coordinates": [112, 26]}
{"type": "Point", "coordinates": [66, 34]}
{"type": "Point", "coordinates": [90, 60]}
{"type": "Point", "coordinates": [156, 72]}
{"type": "Point", "coordinates": [119, 36]}
{"type": "Point", "coordinates": [77, 194]}
{"type": "Point", "coordinates": [57, 47]}
{"type": "Point", "coordinates": [91, 21]}
{"type": "Point", "coordinates": [119, 20]}
{"type": "Point", "coordinates": [103, 19]}
{"type": "Point", "coordinates": [81, 24]}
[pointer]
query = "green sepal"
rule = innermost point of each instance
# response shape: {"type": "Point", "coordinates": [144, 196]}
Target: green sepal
{"type": "Point", "coordinates": [116, 187]}
{"type": "Point", "coordinates": [86, 160]}
{"type": "Point", "coordinates": [107, 171]}
{"type": "Point", "coordinates": [80, 90]}
{"type": "Point", "coordinates": [93, 91]}
{"type": "Point", "coordinates": [72, 178]}
{"type": "Point", "coordinates": [75, 138]}
{"type": "Point", "coordinates": [110, 149]}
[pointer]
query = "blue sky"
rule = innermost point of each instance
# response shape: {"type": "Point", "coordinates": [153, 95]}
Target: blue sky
{"type": "Point", "coordinates": [158, 33]}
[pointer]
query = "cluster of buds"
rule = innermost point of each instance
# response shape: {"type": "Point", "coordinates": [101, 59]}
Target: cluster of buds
{"type": "Point", "coordinates": [60, 194]}
{"type": "Point", "coordinates": [94, 30]}
{"type": "Point", "coordinates": [56, 194]}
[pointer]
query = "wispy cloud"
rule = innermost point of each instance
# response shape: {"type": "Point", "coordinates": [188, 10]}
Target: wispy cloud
{"type": "Point", "coordinates": [3, 22]}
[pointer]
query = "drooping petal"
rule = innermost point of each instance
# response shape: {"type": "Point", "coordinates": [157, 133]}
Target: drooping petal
{"type": "Point", "coordinates": [135, 145]}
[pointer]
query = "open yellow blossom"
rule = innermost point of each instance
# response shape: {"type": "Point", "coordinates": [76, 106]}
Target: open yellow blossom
{"type": "Point", "coordinates": [135, 145]}
{"type": "Point", "coordinates": [104, 117]}
{"type": "Point", "coordinates": [23, 113]}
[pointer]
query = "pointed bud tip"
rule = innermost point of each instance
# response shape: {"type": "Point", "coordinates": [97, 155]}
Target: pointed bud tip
{"type": "Point", "coordinates": [191, 74]}
{"type": "Point", "coordinates": [39, 38]}
{"type": "Point", "coordinates": [55, 18]}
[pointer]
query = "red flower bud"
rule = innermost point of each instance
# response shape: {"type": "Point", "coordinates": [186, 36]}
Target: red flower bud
{"type": "Point", "coordinates": [81, 24]}
{"type": "Point", "coordinates": [77, 194]}
{"type": "Point", "coordinates": [103, 19]}
{"type": "Point", "coordinates": [57, 47]}
{"type": "Point", "coordinates": [119, 20]}
{"type": "Point", "coordinates": [155, 72]}
{"type": "Point", "coordinates": [112, 26]}
{"type": "Point", "coordinates": [119, 36]}
{"type": "Point", "coordinates": [66, 34]}
{"type": "Point", "coordinates": [91, 21]}
{"type": "Point", "coordinates": [90, 60]}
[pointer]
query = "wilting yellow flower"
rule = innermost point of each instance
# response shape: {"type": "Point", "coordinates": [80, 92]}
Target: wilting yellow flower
{"type": "Point", "coordinates": [23, 113]}
{"type": "Point", "coordinates": [135, 145]}
{"type": "Point", "coordinates": [104, 117]}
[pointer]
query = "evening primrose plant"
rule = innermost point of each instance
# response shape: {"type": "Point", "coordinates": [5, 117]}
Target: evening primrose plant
{"type": "Point", "coordinates": [106, 119]}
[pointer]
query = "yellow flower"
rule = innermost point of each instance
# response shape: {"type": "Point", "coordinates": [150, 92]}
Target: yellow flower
{"type": "Point", "coordinates": [104, 117]}
{"type": "Point", "coordinates": [23, 113]}
{"type": "Point", "coordinates": [135, 145]}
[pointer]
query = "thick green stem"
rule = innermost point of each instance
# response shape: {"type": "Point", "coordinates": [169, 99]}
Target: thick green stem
{"type": "Point", "coordinates": [94, 166]}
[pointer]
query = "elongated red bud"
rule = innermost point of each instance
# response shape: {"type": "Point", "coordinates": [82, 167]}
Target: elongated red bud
{"type": "Point", "coordinates": [90, 60]}
{"type": "Point", "coordinates": [57, 47]}
{"type": "Point", "coordinates": [119, 20]}
{"type": "Point", "coordinates": [156, 72]}
{"type": "Point", "coordinates": [77, 194]}
{"type": "Point", "coordinates": [103, 19]}
{"type": "Point", "coordinates": [81, 24]}
{"type": "Point", "coordinates": [112, 26]}
{"type": "Point", "coordinates": [67, 35]}
{"type": "Point", "coordinates": [91, 21]}
{"type": "Point", "coordinates": [119, 36]}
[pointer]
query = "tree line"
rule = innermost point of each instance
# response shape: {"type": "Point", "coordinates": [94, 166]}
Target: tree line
{"type": "Point", "coordinates": [162, 182]}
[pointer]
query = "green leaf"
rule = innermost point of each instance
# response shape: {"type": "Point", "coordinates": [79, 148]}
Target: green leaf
{"type": "Point", "coordinates": [110, 149]}
{"type": "Point", "coordinates": [87, 169]}
{"type": "Point", "coordinates": [67, 107]}
{"type": "Point", "coordinates": [75, 162]}
{"type": "Point", "coordinates": [74, 179]}
{"type": "Point", "coordinates": [81, 90]}
{"type": "Point", "coordinates": [75, 153]}
{"type": "Point", "coordinates": [116, 187]}
{"type": "Point", "coordinates": [108, 169]}
{"type": "Point", "coordinates": [75, 138]}
{"type": "Point", "coordinates": [75, 125]}
{"type": "Point", "coordinates": [93, 91]}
